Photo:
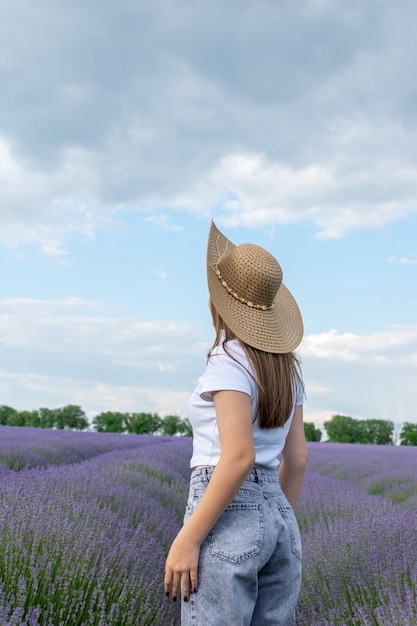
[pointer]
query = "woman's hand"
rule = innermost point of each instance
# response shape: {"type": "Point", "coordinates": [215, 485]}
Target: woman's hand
{"type": "Point", "coordinates": [181, 567]}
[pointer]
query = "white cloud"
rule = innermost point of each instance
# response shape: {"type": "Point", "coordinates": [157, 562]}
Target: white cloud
{"type": "Point", "coordinates": [76, 340]}
{"type": "Point", "coordinates": [160, 273]}
{"type": "Point", "coordinates": [57, 253]}
{"type": "Point", "coordinates": [319, 126]}
{"type": "Point", "coordinates": [162, 222]}
{"type": "Point", "coordinates": [317, 388]}
{"type": "Point", "coordinates": [402, 260]}
{"type": "Point", "coordinates": [368, 376]}
{"type": "Point", "coordinates": [36, 391]}
{"type": "Point", "coordinates": [77, 351]}
{"type": "Point", "coordinates": [255, 191]}
{"type": "Point", "coordinates": [393, 346]}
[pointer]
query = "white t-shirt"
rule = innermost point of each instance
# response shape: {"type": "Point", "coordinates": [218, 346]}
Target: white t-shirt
{"type": "Point", "coordinates": [224, 373]}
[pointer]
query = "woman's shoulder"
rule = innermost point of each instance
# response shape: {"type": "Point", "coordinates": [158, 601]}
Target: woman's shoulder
{"type": "Point", "coordinates": [230, 349]}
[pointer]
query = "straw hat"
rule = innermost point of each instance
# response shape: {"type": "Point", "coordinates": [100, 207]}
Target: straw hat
{"type": "Point", "coordinates": [245, 285]}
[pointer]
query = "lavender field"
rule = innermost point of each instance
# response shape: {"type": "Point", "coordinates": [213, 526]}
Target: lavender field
{"type": "Point", "coordinates": [86, 520]}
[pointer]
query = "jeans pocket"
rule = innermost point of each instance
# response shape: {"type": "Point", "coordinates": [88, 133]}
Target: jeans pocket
{"type": "Point", "coordinates": [238, 534]}
{"type": "Point", "coordinates": [292, 525]}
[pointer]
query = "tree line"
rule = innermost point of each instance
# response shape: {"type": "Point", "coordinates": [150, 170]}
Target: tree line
{"type": "Point", "coordinates": [340, 429]}
{"type": "Point", "coordinates": [72, 417]}
{"type": "Point", "coordinates": [345, 429]}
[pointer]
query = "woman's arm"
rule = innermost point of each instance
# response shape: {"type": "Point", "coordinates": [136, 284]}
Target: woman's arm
{"type": "Point", "coordinates": [234, 419]}
{"type": "Point", "coordinates": [294, 459]}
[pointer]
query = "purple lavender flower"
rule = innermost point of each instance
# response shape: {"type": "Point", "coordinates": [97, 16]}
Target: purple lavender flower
{"type": "Point", "coordinates": [86, 523]}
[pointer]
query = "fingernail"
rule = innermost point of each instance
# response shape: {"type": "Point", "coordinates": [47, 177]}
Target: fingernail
{"type": "Point", "coordinates": [167, 594]}
{"type": "Point", "coordinates": [185, 599]}
{"type": "Point", "coordinates": [194, 590]}
{"type": "Point", "coordinates": [174, 599]}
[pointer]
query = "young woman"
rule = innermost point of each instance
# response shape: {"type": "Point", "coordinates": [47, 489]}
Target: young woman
{"type": "Point", "coordinates": [237, 559]}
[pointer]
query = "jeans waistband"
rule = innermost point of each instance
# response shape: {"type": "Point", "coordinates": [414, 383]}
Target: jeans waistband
{"type": "Point", "coordinates": [256, 475]}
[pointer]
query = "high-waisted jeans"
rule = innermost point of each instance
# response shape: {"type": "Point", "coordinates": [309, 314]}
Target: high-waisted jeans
{"type": "Point", "coordinates": [249, 571]}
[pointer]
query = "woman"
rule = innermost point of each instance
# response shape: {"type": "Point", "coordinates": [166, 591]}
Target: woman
{"type": "Point", "coordinates": [237, 558]}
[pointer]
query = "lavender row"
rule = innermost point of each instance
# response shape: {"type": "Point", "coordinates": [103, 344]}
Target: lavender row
{"type": "Point", "coordinates": [358, 520]}
{"type": "Point", "coordinates": [85, 544]}
{"type": "Point", "coordinates": [360, 566]}
{"type": "Point", "coordinates": [35, 447]}
{"type": "Point", "coordinates": [390, 471]}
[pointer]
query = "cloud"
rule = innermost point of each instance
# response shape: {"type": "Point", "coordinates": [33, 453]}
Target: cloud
{"type": "Point", "coordinates": [83, 341]}
{"type": "Point", "coordinates": [294, 111]}
{"type": "Point", "coordinates": [160, 273]}
{"type": "Point", "coordinates": [368, 376]}
{"type": "Point", "coordinates": [162, 222]}
{"type": "Point", "coordinates": [36, 391]}
{"type": "Point", "coordinates": [402, 260]}
{"type": "Point", "coordinates": [248, 189]}
{"type": "Point", "coordinates": [57, 253]}
{"type": "Point", "coordinates": [56, 352]}
{"type": "Point", "coordinates": [393, 346]}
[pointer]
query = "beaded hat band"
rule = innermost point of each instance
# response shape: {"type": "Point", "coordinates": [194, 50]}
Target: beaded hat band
{"type": "Point", "coordinates": [262, 307]}
{"type": "Point", "coordinates": [245, 285]}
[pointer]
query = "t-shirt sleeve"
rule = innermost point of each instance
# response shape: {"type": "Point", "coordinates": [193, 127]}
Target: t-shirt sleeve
{"type": "Point", "coordinates": [224, 374]}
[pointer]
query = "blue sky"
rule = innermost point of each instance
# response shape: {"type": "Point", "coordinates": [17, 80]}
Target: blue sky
{"type": "Point", "coordinates": [125, 127]}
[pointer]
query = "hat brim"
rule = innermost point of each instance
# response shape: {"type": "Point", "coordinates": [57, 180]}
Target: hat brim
{"type": "Point", "coordinates": [279, 330]}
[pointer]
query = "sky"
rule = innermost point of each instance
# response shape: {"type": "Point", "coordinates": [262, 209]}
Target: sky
{"type": "Point", "coordinates": [126, 126]}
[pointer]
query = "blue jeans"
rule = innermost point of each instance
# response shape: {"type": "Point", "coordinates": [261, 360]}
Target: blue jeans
{"type": "Point", "coordinates": [249, 571]}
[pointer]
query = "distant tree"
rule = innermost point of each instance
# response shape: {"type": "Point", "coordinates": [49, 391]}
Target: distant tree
{"type": "Point", "coordinates": [143, 423]}
{"type": "Point", "coordinates": [6, 413]}
{"type": "Point", "coordinates": [408, 435]}
{"type": "Point", "coordinates": [343, 429]}
{"type": "Point", "coordinates": [172, 425]}
{"type": "Point", "coordinates": [377, 431]}
{"type": "Point", "coordinates": [47, 417]}
{"type": "Point", "coordinates": [311, 432]}
{"type": "Point", "coordinates": [17, 418]}
{"type": "Point", "coordinates": [70, 417]}
{"type": "Point", "coordinates": [110, 422]}
{"type": "Point", "coordinates": [29, 418]}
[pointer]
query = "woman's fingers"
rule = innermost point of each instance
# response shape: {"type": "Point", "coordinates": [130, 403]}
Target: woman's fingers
{"type": "Point", "coordinates": [172, 583]}
{"type": "Point", "coordinates": [176, 585]}
{"type": "Point", "coordinates": [184, 582]}
{"type": "Point", "coordinates": [185, 586]}
{"type": "Point", "coordinates": [193, 580]}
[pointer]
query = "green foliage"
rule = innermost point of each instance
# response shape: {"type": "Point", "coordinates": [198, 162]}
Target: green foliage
{"type": "Point", "coordinates": [408, 435]}
{"type": "Point", "coordinates": [47, 417]}
{"type": "Point", "coordinates": [7, 414]}
{"type": "Point", "coordinates": [377, 431]}
{"type": "Point", "coordinates": [311, 432]}
{"type": "Point", "coordinates": [172, 425]}
{"type": "Point", "coordinates": [70, 417]}
{"type": "Point", "coordinates": [18, 418]}
{"type": "Point", "coordinates": [110, 422]}
{"type": "Point", "coordinates": [340, 429]}
{"type": "Point", "coordinates": [175, 425]}
{"type": "Point", "coordinates": [143, 423]}
{"type": "Point", "coordinates": [345, 429]}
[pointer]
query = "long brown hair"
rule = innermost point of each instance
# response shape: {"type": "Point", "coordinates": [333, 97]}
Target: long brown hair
{"type": "Point", "coordinates": [277, 376]}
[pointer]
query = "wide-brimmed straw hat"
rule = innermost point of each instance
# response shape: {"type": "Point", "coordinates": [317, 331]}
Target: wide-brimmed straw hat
{"type": "Point", "coordinates": [245, 285]}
